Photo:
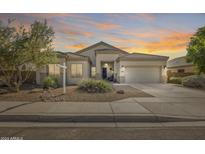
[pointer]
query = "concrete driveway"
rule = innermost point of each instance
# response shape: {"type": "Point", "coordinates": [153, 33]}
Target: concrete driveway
{"type": "Point", "coordinates": [172, 99]}
{"type": "Point", "coordinates": [170, 90]}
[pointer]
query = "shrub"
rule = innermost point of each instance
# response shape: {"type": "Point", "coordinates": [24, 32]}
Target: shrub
{"type": "Point", "coordinates": [50, 82]}
{"type": "Point", "coordinates": [95, 86]}
{"type": "Point", "coordinates": [194, 81]}
{"type": "Point", "coordinates": [175, 80]}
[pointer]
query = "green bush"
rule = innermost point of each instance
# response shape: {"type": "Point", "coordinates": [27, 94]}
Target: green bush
{"type": "Point", "coordinates": [175, 80]}
{"type": "Point", "coordinates": [50, 82]}
{"type": "Point", "coordinates": [194, 81]}
{"type": "Point", "coordinates": [95, 86]}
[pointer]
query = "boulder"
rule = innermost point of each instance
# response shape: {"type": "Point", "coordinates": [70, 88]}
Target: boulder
{"type": "Point", "coordinates": [120, 91]}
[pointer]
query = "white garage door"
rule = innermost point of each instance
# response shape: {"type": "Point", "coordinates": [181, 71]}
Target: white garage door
{"type": "Point", "coordinates": [142, 74]}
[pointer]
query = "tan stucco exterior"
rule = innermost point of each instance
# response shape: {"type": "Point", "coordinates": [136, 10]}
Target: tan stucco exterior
{"type": "Point", "coordinates": [85, 72]}
{"type": "Point", "coordinates": [180, 63]}
{"type": "Point", "coordinates": [187, 69]}
{"type": "Point", "coordinates": [91, 53]}
{"type": "Point", "coordinates": [97, 56]}
{"type": "Point", "coordinates": [41, 74]}
{"type": "Point", "coordinates": [105, 58]}
{"type": "Point", "coordinates": [56, 71]}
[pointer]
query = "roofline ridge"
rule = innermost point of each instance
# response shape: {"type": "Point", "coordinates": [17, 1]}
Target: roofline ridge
{"type": "Point", "coordinates": [101, 42]}
{"type": "Point", "coordinates": [149, 54]}
{"type": "Point", "coordinates": [177, 58]}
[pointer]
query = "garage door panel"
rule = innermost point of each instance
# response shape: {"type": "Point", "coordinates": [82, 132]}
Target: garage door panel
{"type": "Point", "coordinates": [142, 74]}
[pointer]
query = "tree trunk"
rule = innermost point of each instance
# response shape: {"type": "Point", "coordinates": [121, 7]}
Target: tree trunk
{"type": "Point", "coordinates": [19, 80]}
{"type": "Point", "coordinates": [15, 88]}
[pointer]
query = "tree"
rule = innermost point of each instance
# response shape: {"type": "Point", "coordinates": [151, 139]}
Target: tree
{"type": "Point", "coordinates": [196, 50]}
{"type": "Point", "coordinates": [20, 47]}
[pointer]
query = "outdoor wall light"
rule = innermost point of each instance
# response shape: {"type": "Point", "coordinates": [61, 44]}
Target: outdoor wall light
{"type": "Point", "coordinates": [105, 65]}
{"type": "Point", "coordinates": [122, 68]}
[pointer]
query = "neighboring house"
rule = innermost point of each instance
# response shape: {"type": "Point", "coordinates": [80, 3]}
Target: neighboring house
{"type": "Point", "coordinates": [104, 61]}
{"type": "Point", "coordinates": [180, 65]}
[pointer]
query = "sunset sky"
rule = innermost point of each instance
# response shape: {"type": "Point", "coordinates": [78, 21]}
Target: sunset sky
{"type": "Point", "coordinates": [162, 34]}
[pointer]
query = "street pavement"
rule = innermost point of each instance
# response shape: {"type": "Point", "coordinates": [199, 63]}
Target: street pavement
{"type": "Point", "coordinates": [110, 131]}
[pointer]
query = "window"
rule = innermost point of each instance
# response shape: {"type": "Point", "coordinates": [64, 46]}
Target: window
{"type": "Point", "coordinates": [93, 72]}
{"type": "Point", "coordinates": [76, 70]}
{"type": "Point", "coordinates": [180, 70]}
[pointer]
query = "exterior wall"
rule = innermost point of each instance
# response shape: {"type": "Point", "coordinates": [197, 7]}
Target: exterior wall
{"type": "Point", "coordinates": [50, 69]}
{"type": "Point", "coordinates": [123, 64]}
{"type": "Point", "coordinates": [180, 63]}
{"type": "Point", "coordinates": [117, 75]}
{"type": "Point", "coordinates": [91, 53]}
{"type": "Point", "coordinates": [164, 74]}
{"type": "Point", "coordinates": [56, 71]}
{"type": "Point", "coordinates": [105, 58]}
{"type": "Point", "coordinates": [85, 75]}
{"type": "Point", "coordinates": [40, 74]}
{"type": "Point", "coordinates": [187, 69]}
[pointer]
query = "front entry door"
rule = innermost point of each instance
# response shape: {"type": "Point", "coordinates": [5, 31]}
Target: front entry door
{"type": "Point", "coordinates": [104, 73]}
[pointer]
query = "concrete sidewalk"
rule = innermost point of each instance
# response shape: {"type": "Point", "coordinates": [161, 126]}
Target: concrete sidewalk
{"type": "Point", "coordinates": [156, 109]}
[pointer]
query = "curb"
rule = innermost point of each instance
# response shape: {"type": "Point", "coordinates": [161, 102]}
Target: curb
{"type": "Point", "coordinates": [97, 118]}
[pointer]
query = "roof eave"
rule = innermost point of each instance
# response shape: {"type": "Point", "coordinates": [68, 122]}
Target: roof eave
{"type": "Point", "coordinates": [99, 43]}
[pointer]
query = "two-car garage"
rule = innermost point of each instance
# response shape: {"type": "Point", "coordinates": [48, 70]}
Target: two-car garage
{"type": "Point", "coordinates": [142, 74]}
{"type": "Point", "coordinates": [141, 68]}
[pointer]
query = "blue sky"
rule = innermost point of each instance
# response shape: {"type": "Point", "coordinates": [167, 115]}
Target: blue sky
{"type": "Point", "coordinates": [163, 34]}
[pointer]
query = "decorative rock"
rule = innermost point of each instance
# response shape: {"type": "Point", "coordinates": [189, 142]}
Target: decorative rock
{"type": "Point", "coordinates": [36, 90]}
{"type": "Point", "coordinates": [48, 96]}
{"type": "Point", "coordinates": [120, 91]}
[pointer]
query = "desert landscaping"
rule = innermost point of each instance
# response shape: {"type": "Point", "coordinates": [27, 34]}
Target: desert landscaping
{"type": "Point", "coordinates": [73, 94]}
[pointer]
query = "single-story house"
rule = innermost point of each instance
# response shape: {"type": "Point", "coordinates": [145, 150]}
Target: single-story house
{"type": "Point", "coordinates": [104, 61]}
{"type": "Point", "coordinates": [180, 65]}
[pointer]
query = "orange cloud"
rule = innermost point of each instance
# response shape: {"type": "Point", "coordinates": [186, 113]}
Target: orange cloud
{"type": "Point", "coordinates": [87, 34]}
{"type": "Point", "coordinates": [171, 42]}
{"type": "Point", "coordinates": [106, 26]}
{"type": "Point", "coordinates": [147, 34]}
{"type": "Point", "coordinates": [117, 39]}
{"type": "Point", "coordinates": [76, 46]}
{"type": "Point", "coordinates": [64, 28]}
{"type": "Point", "coordinates": [174, 42]}
{"type": "Point", "coordinates": [78, 33]}
{"type": "Point", "coordinates": [71, 31]}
